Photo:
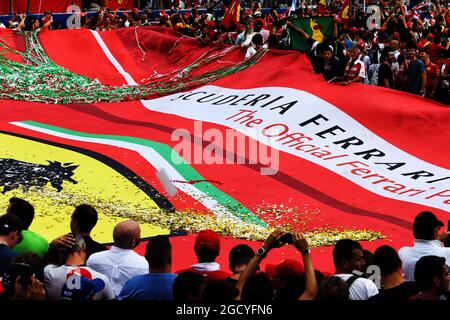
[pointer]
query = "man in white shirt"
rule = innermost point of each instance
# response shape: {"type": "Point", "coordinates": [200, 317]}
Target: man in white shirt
{"type": "Point", "coordinates": [73, 281]}
{"type": "Point", "coordinates": [121, 263]}
{"type": "Point", "coordinates": [427, 243]}
{"type": "Point", "coordinates": [348, 260]}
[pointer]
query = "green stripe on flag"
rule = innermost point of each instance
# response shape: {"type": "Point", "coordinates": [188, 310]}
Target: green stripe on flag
{"type": "Point", "coordinates": [177, 162]}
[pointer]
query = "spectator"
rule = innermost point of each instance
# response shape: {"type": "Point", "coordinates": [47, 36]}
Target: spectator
{"type": "Point", "coordinates": [355, 71]}
{"type": "Point", "coordinates": [436, 49]}
{"type": "Point", "coordinates": [83, 220]}
{"type": "Point", "coordinates": [348, 258]}
{"type": "Point", "coordinates": [158, 284]}
{"type": "Point", "coordinates": [258, 28]}
{"type": "Point", "coordinates": [219, 291]}
{"type": "Point", "coordinates": [121, 263]}
{"type": "Point", "coordinates": [239, 258]}
{"type": "Point", "coordinates": [432, 278]}
{"type": "Point", "coordinates": [258, 289]}
{"type": "Point", "coordinates": [24, 278]}
{"type": "Point", "coordinates": [32, 241]}
{"type": "Point", "coordinates": [333, 289]}
{"type": "Point", "coordinates": [10, 236]}
{"type": "Point", "coordinates": [274, 241]}
{"type": "Point", "coordinates": [257, 42]}
{"type": "Point", "coordinates": [207, 249]}
{"type": "Point", "coordinates": [432, 74]}
{"type": "Point", "coordinates": [326, 64]}
{"type": "Point", "coordinates": [385, 73]}
{"type": "Point", "coordinates": [189, 286]}
{"type": "Point", "coordinates": [416, 72]}
{"type": "Point", "coordinates": [47, 20]}
{"type": "Point", "coordinates": [288, 280]}
{"type": "Point", "coordinates": [15, 24]}
{"type": "Point", "coordinates": [427, 242]}
{"type": "Point", "coordinates": [395, 288]}
{"type": "Point", "coordinates": [73, 281]}
{"type": "Point", "coordinates": [395, 45]}
{"type": "Point", "coordinates": [443, 92]}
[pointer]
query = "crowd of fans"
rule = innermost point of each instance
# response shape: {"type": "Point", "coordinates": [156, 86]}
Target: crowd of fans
{"type": "Point", "coordinates": [409, 51]}
{"type": "Point", "coordinates": [76, 267]}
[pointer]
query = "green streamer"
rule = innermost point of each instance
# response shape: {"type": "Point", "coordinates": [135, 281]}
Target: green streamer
{"type": "Point", "coordinates": [39, 79]}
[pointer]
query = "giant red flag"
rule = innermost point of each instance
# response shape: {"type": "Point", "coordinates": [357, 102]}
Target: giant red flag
{"type": "Point", "coordinates": [97, 122]}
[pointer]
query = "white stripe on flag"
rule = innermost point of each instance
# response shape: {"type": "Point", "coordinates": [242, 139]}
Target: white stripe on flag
{"type": "Point", "coordinates": [113, 60]}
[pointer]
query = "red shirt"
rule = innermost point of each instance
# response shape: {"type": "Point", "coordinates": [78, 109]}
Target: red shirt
{"type": "Point", "coordinates": [435, 51]}
{"type": "Point", "coordinates": [433, 72]}
{"type": "Point", "coordinates": [355, 69]}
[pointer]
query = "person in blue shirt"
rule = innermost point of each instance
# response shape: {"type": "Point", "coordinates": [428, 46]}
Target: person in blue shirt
{"type": "Point", "coordinates": [158, 283]}
{"type": "Point", "coordinates": [10, 236]}
{"type": "Point", "coordinates": [416, 72]}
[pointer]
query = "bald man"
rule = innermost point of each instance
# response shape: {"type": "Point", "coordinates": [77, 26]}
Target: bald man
{"type": "Point", "coordinates": [121, 263]}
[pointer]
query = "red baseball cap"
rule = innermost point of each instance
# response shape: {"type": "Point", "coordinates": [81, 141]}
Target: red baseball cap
{"type": "Point", "coordinates": [209, 239]}
{"type": "Point", "coordinates": [286, 268]}
{"type": "Point", "coordinates": [271, 270]}
{"type": "Point", "coordinates": [290, 268]}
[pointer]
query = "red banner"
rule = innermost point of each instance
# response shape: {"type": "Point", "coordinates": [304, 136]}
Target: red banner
{"type": "Point", "coordinates": [120, 4]}
{"type": "Point", "coordinates": [37, 6]}
{"type": "Point", "coordinates": [353, 159]}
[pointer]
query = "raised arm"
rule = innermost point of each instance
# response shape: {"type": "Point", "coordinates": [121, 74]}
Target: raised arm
{"type": "Point", "coordinates": [298, 30]}
{"type": "Point", "coordinates": [311, 287]}
{"type": "Point", "coordinates": [21, 25]}
{"type": "Point", "coordinates": [273, 241]}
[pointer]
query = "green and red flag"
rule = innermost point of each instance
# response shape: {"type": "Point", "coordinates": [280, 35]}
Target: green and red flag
{"type": "Point", "coordinates": [316, 27]}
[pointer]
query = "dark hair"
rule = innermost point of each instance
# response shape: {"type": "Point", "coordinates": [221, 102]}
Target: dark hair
{"type": "Point", "coordinates": [258, 289]}
{"type": "Point", "coordinates": [9, 223]}
{"type": "Point", "coordinates": [387, 259]}
{"type": "Point", "coordinates": [23, 210]}
{"type": "Point", "coordinates": [292, 287]}
{"type": "Point", "coordinates": [189, 285]}
{"type": "Point", "coordinates": [217, 291]}
{"type": "Point", "coordinates": [322, 47]}
{"type": "Point", "coordinates": [387, 49]}
{"type": "Point", "coordinates": [368, 257]}
{"type": "Point", "coordinates": [425, 50]}
{"type": "Point", "coordinates": [423, 228]}
{"type": "Point", "coordinates": [206, 254]}
{"type": "Point", "coordinates": [273, 41]}
{"type": "Point", "coordinates": [239, 255]}
{"type": "Point", "coordinates": [333, 289]}
{"type": "Point", "coordinates": [158, 252]}
{"type": "Point", "coordinates": [411, 45]}
{"type": "Point", "coordinates": [23, 265]}
{"type": "Point", "coordinates": [343, 250]}
{"type": "Point", "coordinates": [35, 262]}
{"type": "Point", "coordinates": [428, 268]}
{"type": "Point", "coordinates": [257, 39]}
{"type": "Point", "coordinates": [437, 39]}
{"type": "Point", "coordinates": [257, 25]}
{"type": "Point", "coordinates": [86, 217]}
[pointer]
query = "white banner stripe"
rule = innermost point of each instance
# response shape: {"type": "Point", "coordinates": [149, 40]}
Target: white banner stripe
{"type": "Point", "coordinates": [129, 79]}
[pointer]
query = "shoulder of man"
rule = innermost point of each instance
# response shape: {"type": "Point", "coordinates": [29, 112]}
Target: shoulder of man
{"type": "Point", "coordinates": [366, 285]}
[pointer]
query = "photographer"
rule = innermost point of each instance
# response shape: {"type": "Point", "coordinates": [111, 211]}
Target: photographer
{"type": "Point", "coordinates": [275, 240]}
